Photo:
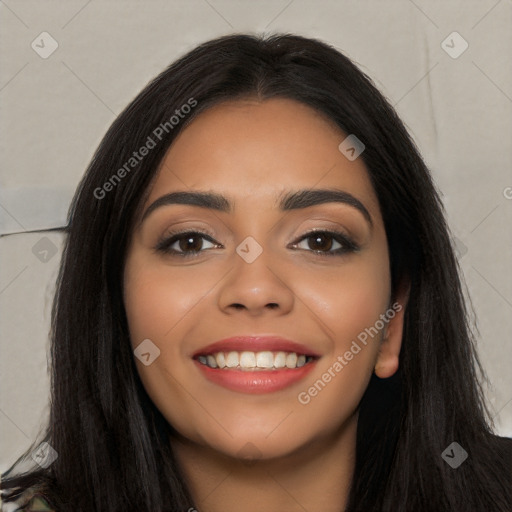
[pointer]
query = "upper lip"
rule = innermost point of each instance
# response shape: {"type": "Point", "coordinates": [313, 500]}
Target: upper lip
{"type": "Point", "coordinates": [256, 344]}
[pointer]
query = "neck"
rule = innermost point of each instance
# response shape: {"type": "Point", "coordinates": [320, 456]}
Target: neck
{"type": "Point", "coordinates": [316, 477]}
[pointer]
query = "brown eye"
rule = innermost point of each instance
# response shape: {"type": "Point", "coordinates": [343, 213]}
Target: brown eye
{"type": "Point", "coordinates": [191, 243]}
{"type": "Point", "coordinates": [188, 243]}
{"type": "Point", "coordinates": [323, 242]}
{"type": "Point", "coordinates": [320, 241]}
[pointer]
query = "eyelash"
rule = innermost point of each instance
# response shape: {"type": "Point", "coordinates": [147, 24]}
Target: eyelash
{"type": "Point", "coordinates": [348, 244]}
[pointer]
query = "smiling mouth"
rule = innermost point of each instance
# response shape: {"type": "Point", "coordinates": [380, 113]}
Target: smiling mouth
{"type": "Point", "coordinates": [255, 361]}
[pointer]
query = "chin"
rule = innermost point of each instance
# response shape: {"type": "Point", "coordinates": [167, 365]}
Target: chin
{"type": "Point", "coordinates": [258, 447]}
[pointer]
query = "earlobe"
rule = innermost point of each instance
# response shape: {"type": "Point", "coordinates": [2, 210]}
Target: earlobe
{"type": "Point", "coordinates": [387, 361]}
{"type": "Point", "coordinates": [386, 367]}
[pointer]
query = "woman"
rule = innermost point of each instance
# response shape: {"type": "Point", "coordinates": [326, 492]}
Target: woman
{"type": "Point", "coordinates": [259, 307]}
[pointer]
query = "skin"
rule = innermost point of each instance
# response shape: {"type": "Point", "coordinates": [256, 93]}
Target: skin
{"type": "Point", "coordinates": [252, 152]}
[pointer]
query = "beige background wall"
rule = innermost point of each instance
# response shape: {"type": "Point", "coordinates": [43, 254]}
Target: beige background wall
{"type": "Point", "coordinates": [55, 108]}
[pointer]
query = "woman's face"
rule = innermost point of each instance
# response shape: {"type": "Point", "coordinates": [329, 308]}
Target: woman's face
{"type": "Point", "coordinates": [256, 273]}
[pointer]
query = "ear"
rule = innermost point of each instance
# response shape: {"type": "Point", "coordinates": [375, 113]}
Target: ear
{"type": "Point", "coordinates": [386, 363]}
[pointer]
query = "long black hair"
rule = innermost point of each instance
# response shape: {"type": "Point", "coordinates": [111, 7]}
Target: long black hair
{"type": "Point", "coordinates": [113, 443]}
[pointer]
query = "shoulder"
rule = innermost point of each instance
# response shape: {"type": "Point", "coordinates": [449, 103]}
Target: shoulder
{"type": "Point", "coordinates": [30, 500]}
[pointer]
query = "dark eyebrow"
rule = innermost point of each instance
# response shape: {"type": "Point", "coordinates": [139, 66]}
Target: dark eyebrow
{"type": "Point", "coordinates": [312, 197]}
{"type": "Point", "coordinates": [294, 200]}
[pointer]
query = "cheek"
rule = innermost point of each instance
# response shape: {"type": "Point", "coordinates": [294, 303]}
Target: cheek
{"type": "Point", "coordinates": [349, 304]}
{"type": "Point", "coordinates": [158, 304]}
{"type": "Point", "coordinates": [349, 299]}
{"type": "Point", "coordinates": [158, 298]}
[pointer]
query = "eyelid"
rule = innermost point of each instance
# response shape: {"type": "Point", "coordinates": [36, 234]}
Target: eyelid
{"type": "Point", "coordinates": [183, 231]}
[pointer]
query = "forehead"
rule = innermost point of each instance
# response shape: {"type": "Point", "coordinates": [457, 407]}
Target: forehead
{"type": "Point", "coordinates": [252, 151]}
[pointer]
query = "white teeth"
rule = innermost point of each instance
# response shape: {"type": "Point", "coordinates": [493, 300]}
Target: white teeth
{"type": "Point", "coordinates": [291, 360]}
{"type": "Point", "coordinates": [232, 359]}
{"type": "Point", "coordinates": [280, 360]}
{"type": "Point", "coordinates": [247, 360]}
{"type": "Point", "coordinates": [253, 361]}
{"type": "Point", "coordinates": [221, 362]}
{"type": "Point", "coordinates": [264, 359]}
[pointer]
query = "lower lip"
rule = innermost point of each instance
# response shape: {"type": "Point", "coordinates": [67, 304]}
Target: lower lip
{"type": "Point", "coordinates": [259, 381]}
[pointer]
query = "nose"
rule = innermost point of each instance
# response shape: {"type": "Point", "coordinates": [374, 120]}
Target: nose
{"type": "Point", "coordinates": [257, 288]}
